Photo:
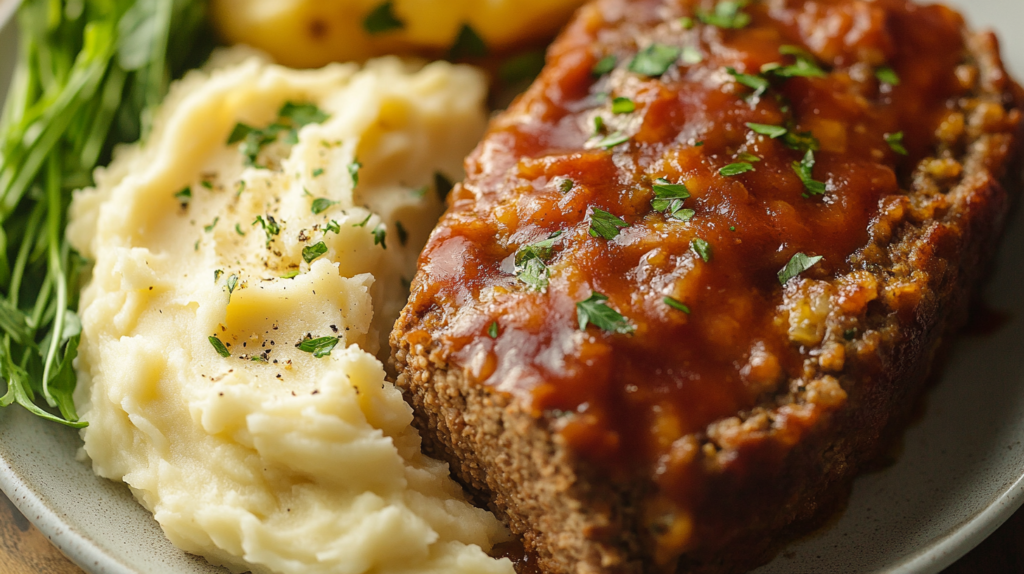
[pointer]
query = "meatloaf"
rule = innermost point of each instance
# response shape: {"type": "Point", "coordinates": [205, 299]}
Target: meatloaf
{"type": "Point", "coordinates": [701, 268]}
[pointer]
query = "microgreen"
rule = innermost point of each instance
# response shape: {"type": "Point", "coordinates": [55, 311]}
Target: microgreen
{"type": "Point", "coordinates": [595, 311]}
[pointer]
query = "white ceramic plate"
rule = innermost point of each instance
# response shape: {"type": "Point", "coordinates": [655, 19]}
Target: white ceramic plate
{"type": "Point", "coordinates": [961, 473]}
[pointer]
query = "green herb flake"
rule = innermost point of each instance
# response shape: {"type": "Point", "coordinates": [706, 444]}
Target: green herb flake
{"type": "Point", "coordinates": [320, 347]}
{"type": "Point", "coordinates": [239, 133]}
{"type": "Point", "coordinates": [566, 186]}
{"type": "Point", "coordinates": [363, 222]}
{"type": "Point", "coordinates": [207, 184]}
{"type": "Point", "coordinates": [598, 125]}
{"type": "Point", "coordinates": [595, 311]}
{"type": "Point", "coordinates": [801, 142]}
{"type": "Point", "coordinates": [850, 334]}
{"type": "Point", "coordinates": [184, 196]}
{"type": "Point", "coordinates": [232, 282]}
{"type": "Point", "coordinates": [727, 14]}
{"type": "Point", "coordinates": [403, 235]}
{"type": "Point", "coordinates": [238, 229]}
{"type": "Point", "coordinates": [737, 168]}
{"type": "Point", "coordinates": [701, 248]}
{"type": "Point", "coordinates": [380, 234]}
{"type": "Point", "coordinates": [219, 346]}
{"type": "Point", "coordinates": [269, 225]}
{"type": "Point", "coordinates": [212, 225]}
{"type": "Point", "coordinates": [698, 144]}
{"type": "Point", "coordinates": [492, 330]}
{"type": "Point", "coordinates": [382, 19]}
{"type": "Point", "coordinates": [687, 23]}
{"type": "Point", "coordinates": [675, 304]}
{"type": "Point", "coordinates": [771, 131]}
{"type": "Point", "coordinates": [310, 253]}
{"type": "Point", "coordinates": [669, 198]}
{"type": "Point", "coordinates": [749, 157]}
{"type": "Point", "coordinates": [797, 265]}
{"type": "Point", "coordinates": [291, 274]}
{"type": "Point", "coordinates": [806, 65]}
{"type": "Point", "coordinates": [321, 204]}
{"type": "Point", "coordinates": [468, 44]}
{"type": "Point", "coordinates": [318, 172]}
{"type": "Point", "coordinates": [604, 224]}
{"type": "Point", "coordinates": [531, 262]}
{"type": "Point", "coordinates": [757, 83]}
{"type": "Point", "coordinates": [216, 274]}
{"type": "Point", "coordinates": [353, 170]}
{"type": "Point", "coordinates": [895, 142]}
{"type": "Point", "coordinates": [654, 60]}
{"type": "Point", "coordinates": [887, 75]}
{"type": "Point", "coordinates": [691, 56]}
{"type": "Point", "coordinates": [302, 114]}
{"type": "Point", "coordinates": [604, 65]}
{"type": "Point", "coordinates": [623, 106]}
{"type": "Point", "coordinates": [612, 140]}
{"type": "Point", "coordinates": [332, 226]}
{"type": "Point", "coordinates": [804, 169]}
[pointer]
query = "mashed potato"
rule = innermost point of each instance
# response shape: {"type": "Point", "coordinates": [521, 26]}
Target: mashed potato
{"type": "Point", "coordinates": [314, 32]}
{"type": "Point", "coordinates": [239, 293]}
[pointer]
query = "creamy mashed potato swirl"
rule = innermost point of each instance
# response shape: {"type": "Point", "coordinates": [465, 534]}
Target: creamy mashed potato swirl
{"type": "Point", "coordinates": [274, 458]}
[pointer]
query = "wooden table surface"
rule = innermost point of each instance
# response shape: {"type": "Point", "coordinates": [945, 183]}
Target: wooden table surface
{"type": "Point", "coordinates": [24, 550]}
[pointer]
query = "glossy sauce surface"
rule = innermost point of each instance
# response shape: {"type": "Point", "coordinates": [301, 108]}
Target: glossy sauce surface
{"type": "Point", "coordinates": [623, 400]}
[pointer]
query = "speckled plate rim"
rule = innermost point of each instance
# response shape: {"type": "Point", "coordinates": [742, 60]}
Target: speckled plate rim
{"type": "Point", "coordinates": [85, 551]}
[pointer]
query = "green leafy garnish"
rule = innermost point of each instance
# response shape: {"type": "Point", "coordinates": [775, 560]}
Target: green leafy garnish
{"type": "Point", "coordinates": [604, 224]}
{"type": "Point", "coordinates": [895, 142]}
{"type": "Point", "coordinates": [468, 44]}
{"type": "Point", "coordinates": [311, 252]}
{"type": "Point", "coordinates": [380, 234]}
{"type": "Point", "coordinates": [566, 185]}
{"type": "Point", "coordinates": [232, 282]}
{"type": "Point", "coordinates": [332, 226]}
{"type": "Point", "coordinates": [238, 229]}
{"type": "Point", "coordinates": [686, 22]}
{"type": "Point", "coordinates": [184, 196]}
{"type": "Point", "coordinates": [804, 169]}
{"type": "Point", "coordinates": [677, 305]}
{"type": "Point", "coordinates": [654, 60]}
{"type": "Point", "coordinates": [212, 225]}
{"type": "Point", "coordinates": [269, 225]}
{"type": "Point", "coordinates": [727, 14]}
{"type": "Point", "coordinates": [757, 83]}
{"type": "Point", "coordinates": [492, 330]}
{"type": "Point", "coordinates": [623, 106]}
{"type": "Point", "coordinates": [353, 170]}
{"type": "Point", "coordinates": [604, 65]}
{"type": "Point", "coordinates": [321, 204]}
{"type": "Point", "coordinates": [291, 117]}
{"type": "Point", "coordinates": [302, 114]}
{"type": "Point", "coordinates": [887, 75]}
{"type": "Point", "coordinates": [318, 172]}
{"type": "Point", "coordinates": [669, 197]}
{"type": "Point", "coordinates": [806, 65]}
{"type": "Point", "coordinates": [291, 274]}
{"type": "Point", "coordinates": [320, 347]}
{"type": "Point", "coordinates": [691, 55]}
{"type": "Point", "coordinates": [749, 157]}
{"type": "Point", "coordinates": [531, 262]}
{"type": "Point", "coordinates": [382, 19]}
{"type": "Point", "coordinates": [363, 222]}
{"type": "Point", "coordinates": [612, 140]}
{"type": "Point", "coordinates": [802, 142]}
{"type": "Point", "coordinates": [736, 168]}
{"type": "Point", "coordinates": [219, 346]}
{"type": "Point", "coordinates": [595, 311]}
{"type": "Point", "coordinates": [598, 125]}
{"type": "Point", "coordinates": [797, 265]}
{"type": "Point", "coordinates": [216, 274]}
{"type": "Point", "coordinates": [701, 248]}
{"type": "Point", "coordinates": [767, 130]}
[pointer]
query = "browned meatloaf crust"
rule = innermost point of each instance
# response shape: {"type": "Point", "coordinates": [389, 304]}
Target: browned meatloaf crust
{"type": "Point", "coordinates": [600, 339]}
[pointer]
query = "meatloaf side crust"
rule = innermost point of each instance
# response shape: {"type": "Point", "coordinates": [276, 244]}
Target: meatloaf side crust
{"type": "Point", "coordinates": [718, 405]}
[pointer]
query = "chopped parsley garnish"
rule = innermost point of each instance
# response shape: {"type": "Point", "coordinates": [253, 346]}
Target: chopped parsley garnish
{"type": "Point", "coordinates": [623, 106]}
{"type": "Point", "coordinates": [210, 227]}
{"type": "Point", "coordinates": [736, 168]}
{"type": "Point", "coordinates": [749, 157]}
{"type": "Point", "coordinates": [207, 184]}
{"type": "Point", "coordinates": [566, 185]}
{"type": "Point", "coordinates": [363, 222]}
{"type": "Point", "coordinates": [598, 125]}
{"type": "Point", "coordinates": [311, 252]}
{"type": "Point", "coordinates": [270, 226]}
{"type": "Point", "coordinates": [701, 248]}
{"type": "Point", "coordinates": [320, 347]}
{"type": "Point", "coordinates": [767, 130]}
{"type": "Point", "coordinates": [806, 65]}
{"type": "Point", "coordinates": [604, 224]}
{"type": "Point", "coordinates": [219, 346]}
{"type": "Point", "coordinates": [302, 114]}
{"type": "Point", "coordinates": [804, 169]}
{"type": "Point", "coordinates": [216, 274]}
{"type": "Point", "coordinates": [232, 282]}
{"type": "Point", "coordinates": [895, 142]}
{"type": "Point", "coordinates": [380, 234]}
{"type": "Point", "coordinates": [318, 172]}
{"type": "Point", "coordinates": [291, 274]}
{"type": "Point", "coordinates": [442, 185]}
{"type": "Point", "coordinates": [686, 22]}
{"type": "Point", "coordinates": [332, 226]}
{"type": "Point", "coordinates": [654, 60]}
{"type": "Point", "coordinates": [727, 14]}
{"type": "Point", "coordinates": [321, 204]}
{"type": "Point", "coordinates": [677, 305]}
{"type": "Point", "coordinates": [604, 65]}
{"type": "Point", "coordinates": [403, 235]}
{"type": "Point", "coordinates": [612, 140]}
{"type": "Point", "coordinates": [492, 330]}
{"type": "Point", "coordinates": [887, 75]}
{"type": "Point", "coordinates": [802, 142]}
{"type": "Point", "coordinates": [184, 196]}
{"type": "Point", "coordinates": [291, 118]}
{"type": "Point", "coordinates": [238, 229]}
{"type": "Point", "coordinates": [850, 334]}
{"type": "Point", "coordinates": [531, 262]}
{"type": "Point", "coordinates": [757, 83]}
{"type": "Point", "coordinates": [353, 170]}
{"type": "Point", "coordinates": [797, 265]}
{"type": "Point", "coordinates": [468, 44]}
{"type": "Point", "coordinates": [382, 19]}
{"type": "Point", "coordinates": [595, 311]}
{"type": "Point", "coordinates": [669, 197]}
{"type": "Point", "coordinates": [692, 55]}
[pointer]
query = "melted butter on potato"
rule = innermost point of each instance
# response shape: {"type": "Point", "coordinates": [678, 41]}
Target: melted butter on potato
{"type": "Point", "coordinates": [308, 33]}
{"type": "Point", "coordinates": [275, 459]}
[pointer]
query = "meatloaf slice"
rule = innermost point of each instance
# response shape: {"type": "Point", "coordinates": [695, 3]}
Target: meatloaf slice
{"type": "Point", "coordinates": [701, 267]}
